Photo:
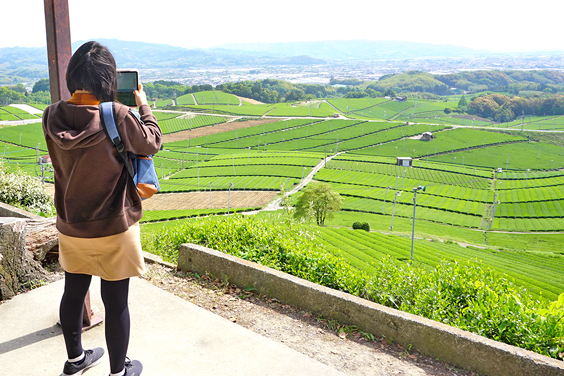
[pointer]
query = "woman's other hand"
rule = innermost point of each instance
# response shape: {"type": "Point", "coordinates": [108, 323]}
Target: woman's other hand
{"type": "Point", "coordinates": [140, 96]}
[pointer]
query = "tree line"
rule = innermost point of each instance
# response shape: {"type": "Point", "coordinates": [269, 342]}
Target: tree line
{"type": "Point", "coordinates": [19, 94]}
{"type": "Point", "coordinates": [508, 81]}
{"type": "Point", "coordinates": [503, 108]}
{"type": "Point", "coordinates": [266, 91]}
{"type": "Point", "coordinates": [163, 89]}
{"type": "Point", "coordinates": [275, 91]}
{"type": "Point", "coordinates": [525, 84]}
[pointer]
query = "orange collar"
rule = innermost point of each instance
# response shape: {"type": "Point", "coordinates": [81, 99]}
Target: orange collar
{"type": "Point", "coordinates": [83, 99]}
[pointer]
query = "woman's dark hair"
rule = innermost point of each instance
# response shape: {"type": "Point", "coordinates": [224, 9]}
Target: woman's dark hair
{"type": "Point", "coordinates": [93, 68]}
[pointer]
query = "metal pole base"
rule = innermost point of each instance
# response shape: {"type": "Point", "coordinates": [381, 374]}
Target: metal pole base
{"type": "Point", "coordinates": [89, 318]}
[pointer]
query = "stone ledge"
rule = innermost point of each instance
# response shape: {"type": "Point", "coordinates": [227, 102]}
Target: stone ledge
{"type": "Point", "coordinates": [154, 259]}
{"type": "Point", "coordinates": [446, 343]}
{"type": "Point", "coordinates": [11, 211]}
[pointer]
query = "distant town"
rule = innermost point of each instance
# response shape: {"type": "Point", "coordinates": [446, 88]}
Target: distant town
{"type": "Point", "coordinates": [361, 70]}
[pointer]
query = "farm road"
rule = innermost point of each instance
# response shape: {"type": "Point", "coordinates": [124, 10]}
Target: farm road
{"type": "Point", "coordinates": [275, 205]}
{"type": "Point", "coordinates": [219, 199]}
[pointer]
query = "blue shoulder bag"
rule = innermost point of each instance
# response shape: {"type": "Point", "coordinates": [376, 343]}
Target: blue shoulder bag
{"type": "Point", "coordinates": [141, 168]}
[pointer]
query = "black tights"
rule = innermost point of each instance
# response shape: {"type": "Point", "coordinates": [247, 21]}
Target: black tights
{"type": "Point", "coordinates": [114, 296]}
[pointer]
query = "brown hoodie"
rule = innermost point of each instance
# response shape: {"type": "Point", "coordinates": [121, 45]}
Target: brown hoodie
{"type": "Point", "coordinates": [89, 173]}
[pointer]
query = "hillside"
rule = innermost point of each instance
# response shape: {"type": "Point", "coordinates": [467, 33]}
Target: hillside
{"type": "Point", "coordinates": [18, 64]}
{"type": "Point", "coordinates": [411, 82]}
{"type": "Point", "coordinates": [31, 63]}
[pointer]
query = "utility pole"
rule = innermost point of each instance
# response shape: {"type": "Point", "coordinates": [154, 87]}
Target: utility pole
{"type": "Point", "coordinates": [229, 198]}
{"type": "Point", "coordinates": [394, 209]}
{"type": "Point", "coordinates": [495, 206]}
{"type": "Point", "coordinates": [385, 199]}
{"type": "Point", "coordinates": [421, 187]}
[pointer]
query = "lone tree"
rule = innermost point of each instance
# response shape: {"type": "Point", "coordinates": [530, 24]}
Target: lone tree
{"type": "Point", "coordinates": [319, 200]}
{"type": "Point", "coordinates": [462, 103]}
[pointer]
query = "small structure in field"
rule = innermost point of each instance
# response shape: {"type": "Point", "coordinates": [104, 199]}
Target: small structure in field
{"type": "Point", "coordinates": [427, 136]}
{"type": "Point", "coordinates": [405, 161]}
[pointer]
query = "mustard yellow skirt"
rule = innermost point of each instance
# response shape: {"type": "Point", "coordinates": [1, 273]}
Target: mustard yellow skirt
{"type": "Point", "coordinates": [112, 258]}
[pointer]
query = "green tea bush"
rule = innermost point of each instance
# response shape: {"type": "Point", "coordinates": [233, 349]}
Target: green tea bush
{"type": "Point", "coordinates": [468, 296]}
{"type": "Point", "coordinates": [473, 298]}
{"type": "Point", "coordinates": [277, 247]}
{"type": "Point", "coordinates": [25, 192]}
{"type": "Point", "coordinates": [361, 226]}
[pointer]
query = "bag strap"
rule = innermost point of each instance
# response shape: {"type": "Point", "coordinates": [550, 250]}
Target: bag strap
{"type": "Point", "coordinates": [107, 110]}
{"type": "Point", "coordinates": [109, 124]}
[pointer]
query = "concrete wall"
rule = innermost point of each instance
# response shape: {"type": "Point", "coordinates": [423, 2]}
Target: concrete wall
{"type": "Point", "coordinates": [446, 343]}
{"type": "Point", "coordinates": [10, 211]}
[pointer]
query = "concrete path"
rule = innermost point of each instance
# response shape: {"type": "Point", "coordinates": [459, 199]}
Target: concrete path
{"type": "Point", "coordinates": [20, 122]}
{"type": "Point", "coordinates": [27, 108]}
{"type": "Point", "coordinates": [275, 205]}
{"type": "Point", "coordinates": [169, 335]}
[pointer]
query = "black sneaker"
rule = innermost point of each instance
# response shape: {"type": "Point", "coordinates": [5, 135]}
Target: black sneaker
{"type": "Point", "coordinates": [133, 367]}
{"type": "Point", "coordinates": [91, 358]}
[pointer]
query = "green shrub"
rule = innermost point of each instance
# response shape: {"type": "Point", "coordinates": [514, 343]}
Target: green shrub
{"type": "Point", "coordinates": [258, 241]}
{"type": "Point", "coordinates": [361, 226]}
{"type": "Point", "coordinates": [472, 298]}
{"type": "Point", "coordinates": [25, 192]}
{"type": "Point", "coordinates": [468, 296]}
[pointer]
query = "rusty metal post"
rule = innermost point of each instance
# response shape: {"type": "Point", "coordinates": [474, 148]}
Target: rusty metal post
{"type": "Point", "coordinates": [59, 52]}
{"type": "Point", "coordinates": [89, 318]}
{"type": "Point", "coordinates": [59, 49]}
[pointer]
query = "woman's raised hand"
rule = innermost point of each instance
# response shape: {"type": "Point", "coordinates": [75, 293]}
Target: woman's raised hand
{"type": "Point", "coordinates": [140, 96]}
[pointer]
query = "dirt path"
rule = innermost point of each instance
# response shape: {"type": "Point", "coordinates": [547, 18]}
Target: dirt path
{"type": "Point", "coordinates": [206, 200]}
{"type": "Point", "coordinates": [213, 129]}
{"type": "Point", "coordinates": [348, 351]}
{"type": "Point", "coordinates": [248, 100]}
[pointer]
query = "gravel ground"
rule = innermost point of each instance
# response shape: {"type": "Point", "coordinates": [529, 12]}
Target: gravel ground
{"type": "Point", "coordinates": [350, 351]}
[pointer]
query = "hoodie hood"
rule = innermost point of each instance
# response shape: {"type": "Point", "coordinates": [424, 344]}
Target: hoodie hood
{"type": "Point", "coordinates": [73, 127]}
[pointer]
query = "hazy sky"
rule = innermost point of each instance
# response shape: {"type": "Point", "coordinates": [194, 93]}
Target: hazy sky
{"type": "Point", "coordinates": [495, 25]}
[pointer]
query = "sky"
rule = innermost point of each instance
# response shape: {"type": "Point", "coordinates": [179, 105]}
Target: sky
{"type": "Point", "coordinates": [493, 25]}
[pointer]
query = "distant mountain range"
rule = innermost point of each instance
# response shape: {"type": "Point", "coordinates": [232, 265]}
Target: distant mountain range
{"type": "Point", "coordinates": [20, 63]}
{"type": "Point", "coordinates": [24, 64]}
{"type": "Point", "coordinates": [337, 50]}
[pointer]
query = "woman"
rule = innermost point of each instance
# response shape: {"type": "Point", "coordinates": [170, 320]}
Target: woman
{"type": "Point", "coordinates": [96, 236]}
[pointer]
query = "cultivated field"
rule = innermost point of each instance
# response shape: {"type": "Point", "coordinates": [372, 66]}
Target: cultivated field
{"type": "Point", "coordinates": [212, 162]}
